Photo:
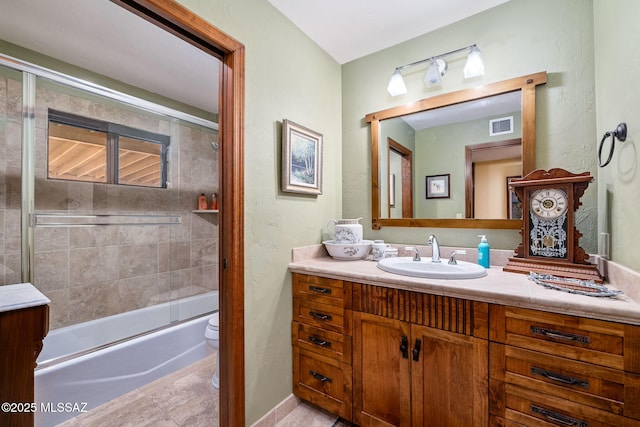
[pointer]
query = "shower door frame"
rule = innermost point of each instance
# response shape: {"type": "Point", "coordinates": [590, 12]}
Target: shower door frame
{"type": "Point", "coordinates": [181, 22]}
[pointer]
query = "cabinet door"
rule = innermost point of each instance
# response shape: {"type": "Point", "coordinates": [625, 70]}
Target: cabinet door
{"type": "Point", "coordinates": [449, 379]}
{"type": "Point", "coordinates": [381, 369]}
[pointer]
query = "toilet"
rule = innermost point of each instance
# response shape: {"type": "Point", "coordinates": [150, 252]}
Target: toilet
{"type": "Point", "coordinates": [212, 336]}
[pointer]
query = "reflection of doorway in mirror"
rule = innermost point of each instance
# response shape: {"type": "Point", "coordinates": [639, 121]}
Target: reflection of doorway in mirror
{"type": "Point", "coordinates": [400, 173]}
{"type": "Point", "coordinates": [492, 175]}
{"type": "Point", "coordinates": [487, 166]}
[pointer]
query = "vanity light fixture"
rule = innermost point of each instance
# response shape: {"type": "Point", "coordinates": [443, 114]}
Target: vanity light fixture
{"type": "Point", "coordinates": [437, 68]}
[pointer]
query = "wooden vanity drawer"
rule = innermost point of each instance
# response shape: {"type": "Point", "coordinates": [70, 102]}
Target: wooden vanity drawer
{"type": "Point", "coordinates": [327, 343]}
{"type": "Point", "coordinates": [322, 381]}
{"type": "Point", "coordinates": [322, 290]}
{"type": "Point", "coordinates": [319, 315]}
{"type": "Point", "coordinates": [594, 341]}
{"type": "Point", "coordinates": [533, 409]}
{"type": "Point", "coordinates": [583, 383]}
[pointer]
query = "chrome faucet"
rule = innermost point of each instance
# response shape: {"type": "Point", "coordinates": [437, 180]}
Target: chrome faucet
{"type": "Point", "coordinates": [435, 248]}
{"type": "Point", "coordinates": [416, 254]}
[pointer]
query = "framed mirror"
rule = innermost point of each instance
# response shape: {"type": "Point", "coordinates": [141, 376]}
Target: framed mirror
{"type": "Point", "coordinates": [445, 161]}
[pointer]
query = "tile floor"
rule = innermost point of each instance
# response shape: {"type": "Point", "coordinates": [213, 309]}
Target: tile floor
{"type": "Point", "coordinates": [182, 399]}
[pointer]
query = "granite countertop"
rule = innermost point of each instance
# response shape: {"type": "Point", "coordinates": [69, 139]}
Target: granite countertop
{"type": "Point", "coordinates": [497, 287]}
{"type": "Point", "coordinates": [22, 295]}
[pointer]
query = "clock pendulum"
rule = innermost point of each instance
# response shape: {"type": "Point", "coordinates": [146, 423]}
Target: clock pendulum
{"type": "Point", "coordinates": [549, 237]}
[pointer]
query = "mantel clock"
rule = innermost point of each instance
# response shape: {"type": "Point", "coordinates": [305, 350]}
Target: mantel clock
{"type": "Point", "coordinates": [549, 236]}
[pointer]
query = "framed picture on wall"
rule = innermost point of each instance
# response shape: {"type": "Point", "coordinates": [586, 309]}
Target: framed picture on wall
{"type": "Point", "coordinates": [438, 186]}
{"type": "Point", "coordinates": [301, 159]}
{"type": "Point", "coordinates": [514, 206]}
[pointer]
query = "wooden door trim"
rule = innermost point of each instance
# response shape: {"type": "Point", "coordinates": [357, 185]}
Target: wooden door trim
{"type": "Point", "coordinates": [406, 178]}
{"type": "Point", "coordinates": [183, 23]}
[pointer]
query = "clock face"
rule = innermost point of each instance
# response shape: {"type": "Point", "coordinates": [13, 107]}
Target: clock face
{"type": "Point", "coordinates": [549, 203]}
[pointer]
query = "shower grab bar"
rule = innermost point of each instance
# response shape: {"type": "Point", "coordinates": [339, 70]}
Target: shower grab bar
{"type": "Point", "coordinates": [90, 220]}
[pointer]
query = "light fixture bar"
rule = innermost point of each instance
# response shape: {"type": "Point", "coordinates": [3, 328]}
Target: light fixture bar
{"type": "Point", "coordinates": [422, 61]}
{"type": "Point", "coordinates": [437, 68]}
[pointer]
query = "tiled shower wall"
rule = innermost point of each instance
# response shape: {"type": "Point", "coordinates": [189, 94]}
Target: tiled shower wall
{"type": "Point", "coordinates": [92, 272]}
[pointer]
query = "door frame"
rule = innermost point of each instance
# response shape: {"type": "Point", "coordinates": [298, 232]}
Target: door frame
{"type": "Point", "coordinates": [183, 23]}
{"type": "Point", "coordinates": [406, 180]}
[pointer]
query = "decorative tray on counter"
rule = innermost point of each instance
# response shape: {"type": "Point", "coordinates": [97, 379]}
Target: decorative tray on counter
{"type": "Point", "coordinates": [574, 286]}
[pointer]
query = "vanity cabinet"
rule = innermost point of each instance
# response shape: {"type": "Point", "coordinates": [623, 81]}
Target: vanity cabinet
{"type": "Point", "coordinates": [551, 369]}
{"type": "Point", "coordinates": [21, 335]}
{"type": "Point", "coordinates": [382, 356]}
{"type": "Point", "coordinates": [418, 359]}
{"type": "Point", "coordinates": [321, 339]}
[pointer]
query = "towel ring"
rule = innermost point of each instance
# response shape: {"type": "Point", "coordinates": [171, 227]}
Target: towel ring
{"type": "Point", "coordinates": [620, 133]}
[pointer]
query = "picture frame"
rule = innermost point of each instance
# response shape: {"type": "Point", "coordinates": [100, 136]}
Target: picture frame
{"type": "Point", "coordinates": [301, 159]}
{"type": "Point", "coordinates": [514, 206]}
{"type": "Point", "coordinates": [438, 186]}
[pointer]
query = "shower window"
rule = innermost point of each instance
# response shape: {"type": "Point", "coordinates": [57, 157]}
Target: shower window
{"type": "Point", "coordinates": [84, 149]}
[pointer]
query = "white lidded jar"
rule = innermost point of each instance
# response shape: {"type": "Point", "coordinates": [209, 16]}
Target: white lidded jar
{"type": "Point", "coordinates": [345, 230]}
{"type": "Point", "coordinates": [377, 250]}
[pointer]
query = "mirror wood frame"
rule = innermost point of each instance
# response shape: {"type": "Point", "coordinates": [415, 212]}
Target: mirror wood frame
{"type": "Point", "coordinates": [182, 22]}
{"type": "Point", "coordinates": [526, 84]}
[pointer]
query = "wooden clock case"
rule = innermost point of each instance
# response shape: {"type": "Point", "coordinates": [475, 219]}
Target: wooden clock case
{"type": "Point", "coordinates": [575, 264]}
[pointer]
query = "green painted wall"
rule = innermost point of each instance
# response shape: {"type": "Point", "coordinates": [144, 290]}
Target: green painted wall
{"type": "Point", "coordinates": [287, 77]}
{"type": "Point", "coordinates": [516, 38]}
{"type": "Point", "coordinates": [617, 37]}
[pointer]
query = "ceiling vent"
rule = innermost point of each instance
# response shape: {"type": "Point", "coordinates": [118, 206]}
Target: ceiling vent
{"type": "Point", "coordinates": [501, 126]}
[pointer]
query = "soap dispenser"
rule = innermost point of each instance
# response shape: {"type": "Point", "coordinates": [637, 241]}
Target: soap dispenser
{"type": "Point", "coordinates": [483, 252]}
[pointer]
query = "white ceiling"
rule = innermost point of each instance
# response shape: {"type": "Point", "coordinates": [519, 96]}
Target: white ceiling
{"type": "Point", "coordinates": [102, 37]}
{"type": "Point", "coordinates": [105, 38]}
{"type": "Point", "coordinates": [350, 29]}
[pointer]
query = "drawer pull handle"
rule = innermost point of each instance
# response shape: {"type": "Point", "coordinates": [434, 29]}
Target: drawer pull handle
{"type": "Point", "coordinates": [557, 418]}
{"type": "Point", "coordinates": [320, 377]}
{"type": "Point", "coordinates": [320, 316]}
{"type": "Point", "coordinates": [559, 335]}
{"type": "Point", "coordinates": [564, 379]}
{"type": "Point", "coordinates": [320, 290]}
{"type": "Point", "coordinates": [318, 341]}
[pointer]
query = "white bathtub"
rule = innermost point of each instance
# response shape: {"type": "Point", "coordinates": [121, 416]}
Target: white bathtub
{"type": "Point", "coordinates": [91, 379]}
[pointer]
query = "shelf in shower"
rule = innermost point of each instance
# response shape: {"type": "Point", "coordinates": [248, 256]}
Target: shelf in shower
{"type": "Point", "coordinates": [88, 220]}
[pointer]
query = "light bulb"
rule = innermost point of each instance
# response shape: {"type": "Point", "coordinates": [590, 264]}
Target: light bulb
{"type": "Point", "coordinates": [396, 84]}
{"type": "Point", "coordinates": [475, 65]}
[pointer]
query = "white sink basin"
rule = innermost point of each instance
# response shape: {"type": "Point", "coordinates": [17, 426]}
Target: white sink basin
{"type": "Point", "coordinates": [406, 266]}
